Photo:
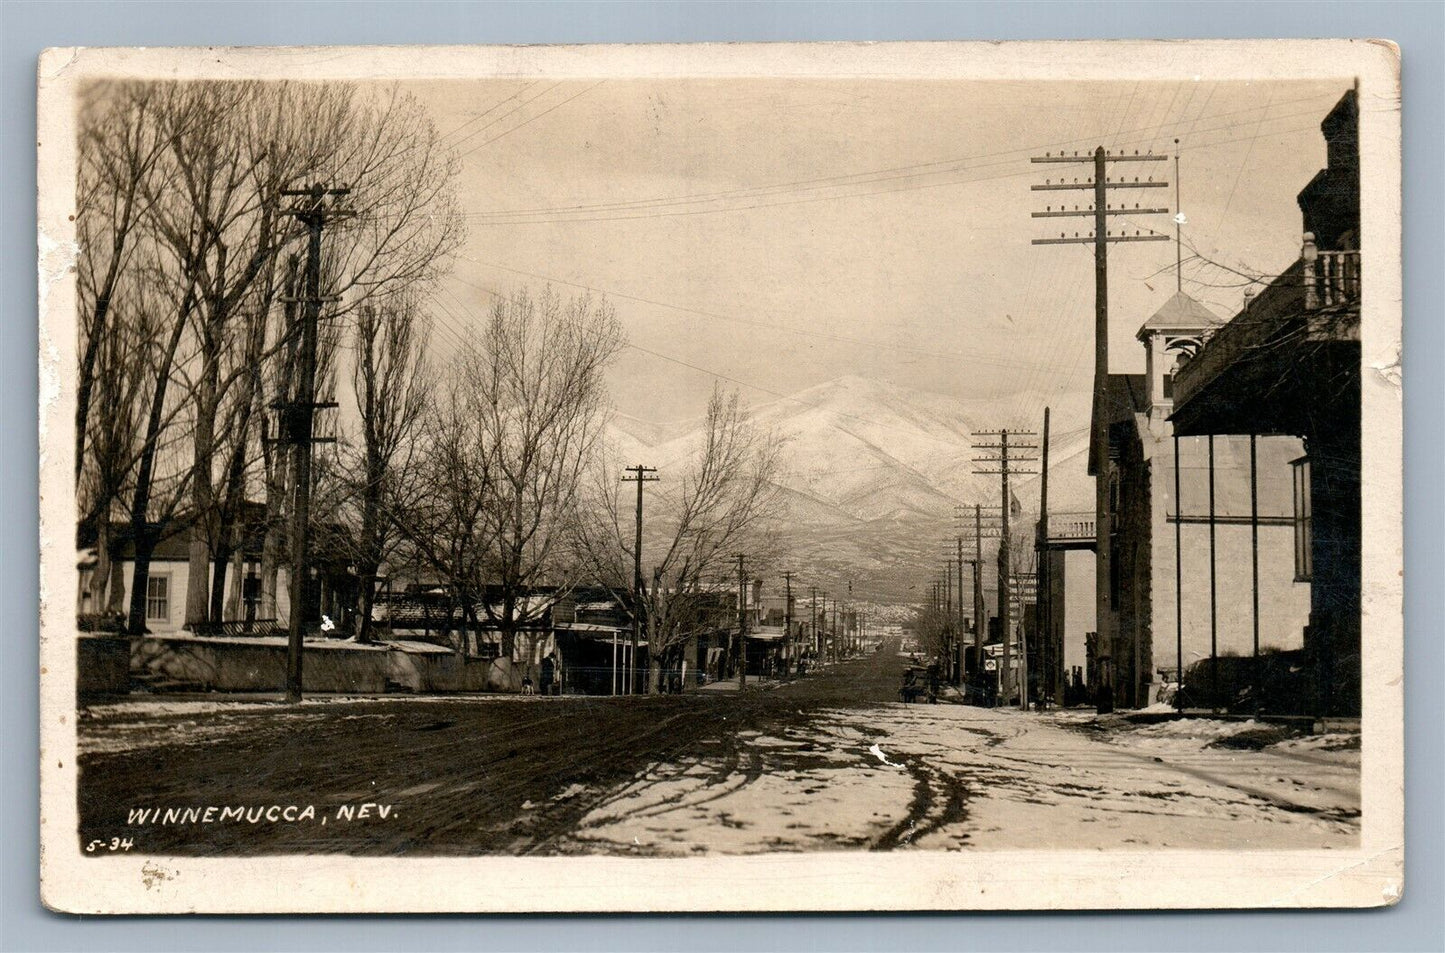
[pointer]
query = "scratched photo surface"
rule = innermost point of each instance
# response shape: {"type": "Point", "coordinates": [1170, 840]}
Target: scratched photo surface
{"type": "Point", "coordinates": [556, 462]}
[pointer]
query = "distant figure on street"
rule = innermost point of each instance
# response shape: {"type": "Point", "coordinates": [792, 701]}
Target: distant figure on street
{"type": "Point", "coordinates": [549, 673]}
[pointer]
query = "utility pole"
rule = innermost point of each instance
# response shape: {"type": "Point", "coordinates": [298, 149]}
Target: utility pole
{"type": "Point", "coordinates": [639, 476]}
{"type": "Point", "coordinates": [1178, 226]}
{"type": "Point", "coordinates": [300, 417]}
{"type": "Point", "coordinates": [975, 528]}
{"type": "Point", "coordinates": [1044, 611]}
{"type": "Point", "coordinates": [980, 613]}
{"type": "Point", "coordinates": [823, 629]}
{"type": "Point", "coordinates": [1100, 239]}
{"type": "Point", "coordinates": [742, 624]}
{"type": "Point", "coordinates": [1006, 467]}
{"type": "Point", "coordinates": [788, 618]}
{"type": "Point", "coordinates": [949, 634]}
{"type": "Point", "coordinates": [958, 623]}
{"type": "Point", "coordinates": [813, 624]}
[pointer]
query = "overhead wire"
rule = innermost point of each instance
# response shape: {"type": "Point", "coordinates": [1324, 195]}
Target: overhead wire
{"type": "Point", "coordinates": [811, 333]}
{"type": "Point", "coordinates": [480, 116]}
{"type": "Point", "coordinates": [528, 122]}
{"type": "Point", "coordinates": [507, 115]}
{"type": "Point", "coordinates": [842, 179]}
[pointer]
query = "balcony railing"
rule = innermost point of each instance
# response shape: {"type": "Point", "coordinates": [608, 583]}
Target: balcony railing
{"type": "Point", "coordinates": [1330, 277]}
{"type": "Point", "coordinates": [1071, 527]}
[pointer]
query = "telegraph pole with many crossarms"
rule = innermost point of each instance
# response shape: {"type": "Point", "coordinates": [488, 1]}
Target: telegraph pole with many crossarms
{"type": "Point", "coordinates": [1100, 238]}
{"type": "Point", "coordinates": [299, 417]}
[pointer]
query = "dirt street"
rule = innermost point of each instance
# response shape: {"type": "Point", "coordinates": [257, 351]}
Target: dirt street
{"type": "Point", "coordinates": [830, 761]}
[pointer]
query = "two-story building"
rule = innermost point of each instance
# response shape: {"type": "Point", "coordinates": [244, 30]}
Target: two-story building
{"type": "Point", "coordinates": [1289, 364]}
{"type": "Point", "coordinates": [1185, 516]}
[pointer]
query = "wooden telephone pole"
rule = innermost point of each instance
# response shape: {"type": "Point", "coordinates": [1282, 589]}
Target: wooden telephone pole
{"type": "Point", "coordinates": [299, 417]}
{"type": "Point", "coordinates": [639, 476]}
{"type": "Point", "coordinates": [974, 528]}
{"type": "Point", "coordinates": [813, 625]}
{"type": "Point", "coordinates": [742, 624]}
{"type": "Point", "coordinates": [788, 639]}
{"type": "Point", "coordinates": [957, 660]}
{"type": "Point", "coordinates": [1100, 238]}
{"type": "Point", "coordinates": [1006, 466]}
{"type": "Point", "coordinates": [1044, 613]}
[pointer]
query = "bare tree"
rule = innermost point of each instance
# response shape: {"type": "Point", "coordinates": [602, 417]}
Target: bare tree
{"type": "Point", "coordinates": [536, 377]}
{"type": "Point", "coordinates": [180, 207]}
{"type": "Point", "coordinates": [117, 151]}
{"type": "Point", "coordinates": [440, 514]}
{"type": "Point", "coordinates": [508, 455]}
{"type": "Point", "coordinates": [725, 500]}
{"type": "Point", "coordinates": [389, 383]}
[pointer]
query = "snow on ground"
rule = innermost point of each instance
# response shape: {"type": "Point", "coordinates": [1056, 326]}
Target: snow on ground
{"type": "Point", "coordinates": [137, 721]}
{"type": "Point", "coordinates": [968, 778]}
{"type": "Point", "coordinates": [141, 706]}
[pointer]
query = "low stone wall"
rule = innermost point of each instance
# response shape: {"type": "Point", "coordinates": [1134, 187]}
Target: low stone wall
{"type": "Point", "coordinates": [102, 665]}
{"type": "Point", "coordinates": [430, 668]}
{"type": "Point", "coordinates": [259, 664]}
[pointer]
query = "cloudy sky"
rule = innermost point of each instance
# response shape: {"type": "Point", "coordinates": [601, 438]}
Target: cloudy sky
{"type": "Point", "coordinates": [780, 234]}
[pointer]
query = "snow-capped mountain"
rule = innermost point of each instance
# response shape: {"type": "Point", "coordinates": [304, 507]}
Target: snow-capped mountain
{"type": "Point", "coordinates": [874, 472]}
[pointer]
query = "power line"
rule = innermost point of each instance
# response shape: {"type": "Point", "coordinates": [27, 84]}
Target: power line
{"type": "Point", "coordinates": [483, 115]}
{"type": "Point", "coordinates": [502, 135]}
{"type": "Point", "coordinates": [511, 112]}
{"type": "Point", "coordinates": [812, 334]}
{"type": "Point", "coordinates": [934, 167]}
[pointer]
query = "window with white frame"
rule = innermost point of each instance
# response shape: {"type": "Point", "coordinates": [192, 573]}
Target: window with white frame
{"type": "Point", "coordinates": [158, 598]}
{"type": "Point", "coordinates": [1303, 521]}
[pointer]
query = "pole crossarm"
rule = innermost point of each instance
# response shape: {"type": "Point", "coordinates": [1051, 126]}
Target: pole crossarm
{"type": "Point", "coordinates": [1073, 213]}
{"type": "Point", "coordinates": [1081, 186]}
{"type": "Point", "coordinates": [1089, 157]}
{"type": "Point", "coordinates": [1089, 240]}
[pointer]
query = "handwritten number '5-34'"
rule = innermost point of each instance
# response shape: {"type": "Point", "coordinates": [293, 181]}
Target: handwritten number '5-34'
{"type": "Point", "coordinates": [115, 843]}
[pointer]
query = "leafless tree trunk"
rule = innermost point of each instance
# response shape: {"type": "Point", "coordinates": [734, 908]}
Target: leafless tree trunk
{"type": "Point", "coordinates": [118, 147]}
{"type": "Point", "coordinates": [439, 513]}
{"type": "Point", "coordinates": [145, 532]}
{"type": "Point", "coordinates": [388, 379]}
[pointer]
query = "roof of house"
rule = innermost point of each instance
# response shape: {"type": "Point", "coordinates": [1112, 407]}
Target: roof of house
{"type": "Point", "coordinates": [1180, 313]}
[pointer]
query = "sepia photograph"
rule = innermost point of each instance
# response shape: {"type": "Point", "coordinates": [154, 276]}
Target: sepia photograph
{"type": "Point", "coordinates": [906, 476]}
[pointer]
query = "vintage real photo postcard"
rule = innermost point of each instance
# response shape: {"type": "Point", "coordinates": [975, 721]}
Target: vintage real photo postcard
{"type": "Point", "coordinates": [722, 477]}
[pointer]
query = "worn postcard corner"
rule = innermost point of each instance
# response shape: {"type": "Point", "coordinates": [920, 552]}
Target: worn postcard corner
{"type": "Point", "coordinates": [774, 477]}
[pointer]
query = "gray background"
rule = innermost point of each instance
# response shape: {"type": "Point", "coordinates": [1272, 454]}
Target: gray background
{"type": "Point", "coordinates": [1418, 923]}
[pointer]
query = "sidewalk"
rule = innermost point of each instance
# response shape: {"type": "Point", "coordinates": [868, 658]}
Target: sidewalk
{"type": "Point", "coordinates": [731, 684]}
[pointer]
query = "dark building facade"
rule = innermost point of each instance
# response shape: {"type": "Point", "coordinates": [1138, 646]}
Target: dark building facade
{"type": "Point", "coordinates": [1289, 363]}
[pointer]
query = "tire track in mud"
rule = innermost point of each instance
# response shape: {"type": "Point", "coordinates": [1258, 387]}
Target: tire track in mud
{"type": "Point", "coordinates": [931, 789]}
